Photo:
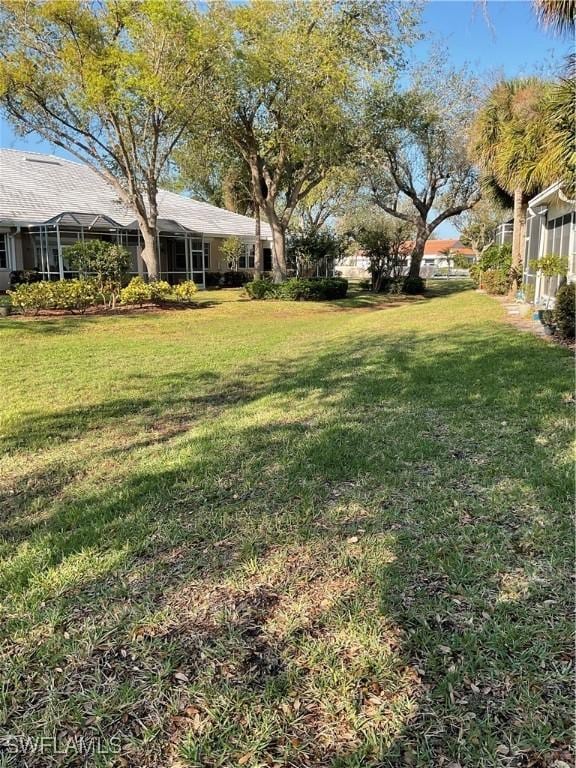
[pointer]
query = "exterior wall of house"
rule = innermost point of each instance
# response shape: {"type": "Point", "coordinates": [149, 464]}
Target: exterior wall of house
{"type": "Point", "coordinates": [550, 230]}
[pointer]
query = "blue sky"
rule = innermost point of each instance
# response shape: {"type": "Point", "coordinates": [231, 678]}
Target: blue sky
{"type": "Point", "coordinates": [500, 37]}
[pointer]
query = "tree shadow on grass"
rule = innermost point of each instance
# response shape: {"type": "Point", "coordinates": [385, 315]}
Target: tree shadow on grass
{"type": "Point", "coordinates": [444, 457]}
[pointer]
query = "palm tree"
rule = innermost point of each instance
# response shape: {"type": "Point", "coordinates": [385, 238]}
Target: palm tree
{"type": "Point", "coordinates": [560, 15]}
{"type": "Point", "coordinates": [508, 139]}
{"type": "Point", "coordinates": [559, 161]}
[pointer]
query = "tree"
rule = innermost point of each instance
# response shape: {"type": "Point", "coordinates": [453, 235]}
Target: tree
{"type": "Point", "coordinates": [416, 161]}
{"type": "Point", "coordinates": [383, 239]}
{"type": "Point", "coordinates": [290, 70]}
{"type": "Point", "coordinates": [328, 200]}
{"type": "Point", "coordinates": [307, 249]}
{"type": "Point", "coordinates": [108, 83]}
{"type": "Point", "coordinates": [478, 225]}
{"type": "Point", "coordinates": [509, 137]}
{"type": "Point", "coordinates": [232, 249]}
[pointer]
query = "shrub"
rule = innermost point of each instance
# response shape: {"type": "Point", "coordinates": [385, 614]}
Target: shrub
{"type": "Point", "coordinates": [260, 289]}
{"type": "Point", "coordinates": [185, 291]}
{"type": "Point", "coordinates": [106, 262]}
{"type": "Point", "coordinates": [496, 281]}
{"type": "Point", "coordinates": [413, 285]}
{"type": "Point", "coordinates": [136, 292]}
{"type": "Point", "coordinates": [75, 295]}
{"type": "Point", "coordinates": [565, 311]}
{"type": "Point", "coordinates": [299, 289]}
{"type": "Point", "coordinates": [475, 273]}
{"type": "Point", "coordinates": [32, 297]}
{"type": "Point", "coordinates": [160, 291]}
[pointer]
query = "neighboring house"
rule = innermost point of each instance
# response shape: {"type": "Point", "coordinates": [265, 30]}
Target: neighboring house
{"type": "Point", "coordinates": [550, 230]}
{"type": "Point", "coordinates": [355, 267]}
{"type": "Point", "coordinates": [47, 203]}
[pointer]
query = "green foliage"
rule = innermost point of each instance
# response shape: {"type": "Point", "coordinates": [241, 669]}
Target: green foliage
{"type": "Point", "coordinates": [496, 257]}
{"type": "Point", "coordinates": [185, 291]}
{"type": "Point", "coordinates": [261, 289]}
{"type": "Point", "coordinates": [496, 281]}
{"type": "Point", "coordinates": [510, 134]}
{"type": "Point", "coordinates": [551, 265]}
{"type": "Point", "coordinates": [229, 279]}
{"type": "Point", "coordinates": [382, 240]}
{"type": "Point", "coordinates": [73, 295]}
{"type": "Point", "coordinates": [106, 262]}
{"type": "Point", "coordinates": [232, 249]}
{"type": "Point", "coordinates": [308, 248]}
{"type": "Point", "coordinates": [460, 261]}
{"type": "Point", "coordinates": [160, 291]}
{"type": "Point", "coordinates": [136, 292]}
{"type": "Point", "coordinates": [413, 285]}
{"type": "Point", "coordinates": [565, 311]}
{"type": "Point", "coordinates": [94, 76]}
{"type": "Point", "coordinates": [299, 289]}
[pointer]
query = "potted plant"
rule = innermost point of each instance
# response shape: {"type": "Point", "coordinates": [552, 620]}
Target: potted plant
{"type": "Point", "coordinates": [5, 306]}
{"type": "Point", "coordinates": [547, 320]}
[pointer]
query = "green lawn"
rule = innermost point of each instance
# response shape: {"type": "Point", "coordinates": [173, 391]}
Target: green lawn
{"type": "Point", "coordinates": [286, 534]}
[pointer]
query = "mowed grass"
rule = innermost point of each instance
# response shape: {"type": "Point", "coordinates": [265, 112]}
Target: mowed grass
{"type": "Point", "coordinates": [286, 534]}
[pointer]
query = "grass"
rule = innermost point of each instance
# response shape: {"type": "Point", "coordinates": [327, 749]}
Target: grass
{"type": "Point", "coordinates": [275, 534]}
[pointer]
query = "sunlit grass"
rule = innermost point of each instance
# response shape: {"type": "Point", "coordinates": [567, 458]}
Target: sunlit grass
{"type": "Point", "coordinates": [265, 533]}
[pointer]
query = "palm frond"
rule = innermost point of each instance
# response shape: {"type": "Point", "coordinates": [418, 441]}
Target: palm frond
{"type": "Point", "coordinates": [559, 15]}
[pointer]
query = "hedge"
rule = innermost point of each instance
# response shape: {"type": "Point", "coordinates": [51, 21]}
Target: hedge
{"type": "Point", "coordinates": [299, 289]}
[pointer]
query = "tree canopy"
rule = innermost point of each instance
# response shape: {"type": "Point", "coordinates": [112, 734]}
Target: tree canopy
{"type": "Point", "coordinates": [114, 83]}
{"type": "Point", "coordinates": [289, 73]}
{"type": "Point", "coordinates": [416, 159]}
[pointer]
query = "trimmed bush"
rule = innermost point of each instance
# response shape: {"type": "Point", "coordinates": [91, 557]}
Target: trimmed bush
{"type": "Point", "coordinates": [413, 285]}
{"type": "Point", "coordinates": [136, 292]}
{"type": "Point", "coordinates": [185, 291]}
{"type": "Point", "coordinates": [73, 295]}
{"type": "Point", "coordinates": [31, 297]}
{"type": "Point", "coordinates": [231, 279]}
{"type": "Point", "coordinates": [260, 289]}
{"type": "Point", "coordinates": [496, 281]}
{"type": "Point", "coordinates": [299, 289]}
{"type": "Point", "coordinates": [160, 291]}
{"type": "Point", "coordinates": [565, 311]}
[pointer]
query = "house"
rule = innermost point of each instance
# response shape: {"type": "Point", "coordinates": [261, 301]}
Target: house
{"type": "Point", "coordinates": [436, 253]}
{"type": "Point", "coordinates": [550, 230]}
{"type": "Point", "coordinates": [356, 266]}
{"type": "Point", "coordinates": [47, 203]}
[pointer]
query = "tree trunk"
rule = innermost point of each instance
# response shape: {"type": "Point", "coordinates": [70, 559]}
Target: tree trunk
{"type": "Point", "coordinates": [150, 255]}
{"type": "Point", "coordinates": [518, 236]}
{"type": "Point", "coordinates": [418, 252]}
{"type": "Point", "coordinates": [279, 269]}
{"type": "Point", "coordinates": [258, 250]}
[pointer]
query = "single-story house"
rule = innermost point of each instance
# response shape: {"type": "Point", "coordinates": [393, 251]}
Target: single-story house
{"type": "Point", "coordinates": [355, 267]}
{"type": "Point", "coordinates": [550, 230]}
{"type": "Point", "coordinates": [47, 203]}
{"type": "Point", "coordinates": [436, 255]}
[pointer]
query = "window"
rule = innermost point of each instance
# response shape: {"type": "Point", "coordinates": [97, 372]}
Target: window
{"type": "Point", "coordinates": [246, 261]}
{"type": "Point", "coordinates": [3, 251]}
{"type": "Point", "coordinates": [206, 255]}
{"type": "Point", "coordinates": [267, 260]}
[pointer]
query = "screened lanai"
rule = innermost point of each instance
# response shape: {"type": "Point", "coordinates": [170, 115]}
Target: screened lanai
{"type": "Point", "coordinates": [183, 253]}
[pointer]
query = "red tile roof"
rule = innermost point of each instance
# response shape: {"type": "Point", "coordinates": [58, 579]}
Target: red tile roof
{"type": "Point", "coordinates": [439, 247]}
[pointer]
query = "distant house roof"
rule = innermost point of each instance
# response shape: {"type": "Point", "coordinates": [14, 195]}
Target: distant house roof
{"type": "Point", "coordinates": [439, 247]}
{"type": "Point", "coordinates": [35, 188]}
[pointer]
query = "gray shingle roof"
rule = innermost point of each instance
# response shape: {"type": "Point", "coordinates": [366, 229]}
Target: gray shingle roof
{"type": "Point", "coordinates": [36, 187]}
